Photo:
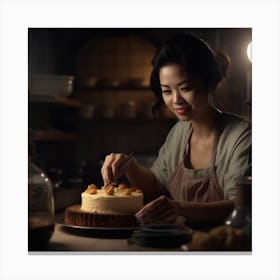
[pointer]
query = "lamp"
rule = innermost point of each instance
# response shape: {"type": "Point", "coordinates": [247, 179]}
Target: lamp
{"type": "Point", "coordinates": [249, 51]}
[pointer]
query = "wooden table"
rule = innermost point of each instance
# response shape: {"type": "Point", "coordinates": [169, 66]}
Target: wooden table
{"type": "Point", "coordinates": [81, 239]}
{"type": "Point", "coordinates": [68, 239]}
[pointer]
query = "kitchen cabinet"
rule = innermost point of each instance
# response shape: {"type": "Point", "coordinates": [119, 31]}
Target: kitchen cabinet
{"type": "Point", "coordinates": [54, 131]}
{"type": "Point", "coordinates": [43, 117]}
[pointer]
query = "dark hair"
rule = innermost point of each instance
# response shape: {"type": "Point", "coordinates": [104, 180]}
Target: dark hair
{"type": "Point", "coordinates": [193, 54]}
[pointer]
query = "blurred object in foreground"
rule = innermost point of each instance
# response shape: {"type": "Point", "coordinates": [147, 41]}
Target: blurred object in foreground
{"type": "Point", "coordinates": [40, 208]}
{"type": "Point", "coordinates": [241, 216]}
{"type": "Point", "coordinates": [222, 238]}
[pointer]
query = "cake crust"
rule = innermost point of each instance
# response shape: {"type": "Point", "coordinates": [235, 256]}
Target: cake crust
{"type": "Point", "coordinates": [74, 215]}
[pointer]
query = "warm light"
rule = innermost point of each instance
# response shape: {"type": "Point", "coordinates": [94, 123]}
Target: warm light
{"type": "Point", "coordinates": [249, 51]}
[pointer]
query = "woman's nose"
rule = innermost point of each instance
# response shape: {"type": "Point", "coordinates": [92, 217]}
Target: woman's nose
{"type": "Point", "coordinates": [177, 97]}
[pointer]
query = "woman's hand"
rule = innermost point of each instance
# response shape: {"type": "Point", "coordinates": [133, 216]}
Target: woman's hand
{"type": "Point", "coordinates": [110, 167]}
{"type": "Point", "coordinates": [160, 210]}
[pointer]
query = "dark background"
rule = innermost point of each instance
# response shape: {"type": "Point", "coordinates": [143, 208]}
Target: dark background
{"type": "Point", "coordinates": [75, 161]}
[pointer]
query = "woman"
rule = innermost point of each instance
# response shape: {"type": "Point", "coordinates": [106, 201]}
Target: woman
{"type": "Point", "coordinates": [204, 154]}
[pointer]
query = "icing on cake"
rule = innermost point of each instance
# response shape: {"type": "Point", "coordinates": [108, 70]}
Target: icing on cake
{"type": "Point", "coordinates": [111, 199]}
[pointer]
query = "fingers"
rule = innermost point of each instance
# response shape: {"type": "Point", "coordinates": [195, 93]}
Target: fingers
{"type": "Point", "coordinates": [161, 209]}
{"type": "Point", "coordinates": [106, 169]}
{"type": "Point", "coordinates": [152, 206]}
{"type": "Point", "coordinates": [117, 160]}
{"type": "Point", "coordinates": [110, 167]}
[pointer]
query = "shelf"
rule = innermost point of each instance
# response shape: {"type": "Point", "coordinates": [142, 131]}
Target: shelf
{"type": "Point", "coordinates": [55, 135]}
{"type": "Point", "coordinates": [95, 83]}
{"type": "Point", "coordinates": [124, 87]}
{"type": "Point", "coordinates": [126, 121]}
{"type": "Point", "coordinates": [57, 99]}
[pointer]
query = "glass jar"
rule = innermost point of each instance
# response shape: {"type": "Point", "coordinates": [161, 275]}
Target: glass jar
{"type": "Point", "coordinates": [241, 216]}
{"type": "Point", "coordinates": [40, 208]}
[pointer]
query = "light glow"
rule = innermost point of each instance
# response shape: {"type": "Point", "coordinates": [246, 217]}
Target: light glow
{"type": "Point", "coordinates": [249, 51]}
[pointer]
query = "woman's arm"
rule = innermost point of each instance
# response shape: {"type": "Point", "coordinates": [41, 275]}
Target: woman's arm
{"type": "Point", "coordinates": [164, 209]}
{"type": "Point", "coordinates": [197, 212]}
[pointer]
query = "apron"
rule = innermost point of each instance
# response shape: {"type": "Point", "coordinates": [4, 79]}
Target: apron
{"type": "Point", "coordinates": [196, 185]}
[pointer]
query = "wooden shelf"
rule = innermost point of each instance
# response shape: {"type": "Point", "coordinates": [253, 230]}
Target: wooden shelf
{"type": "Point", "coordinates": [57, 99]}
{"type": "Point", "coordinates": [55, 135]}
{"type": "Point", "coordinates": [122, 87]}
{"type": "Point", "coordinates": [126, 121]}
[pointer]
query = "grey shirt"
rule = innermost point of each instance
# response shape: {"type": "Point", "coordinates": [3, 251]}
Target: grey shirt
{"type": "Point", "coordinates": [233, 159]}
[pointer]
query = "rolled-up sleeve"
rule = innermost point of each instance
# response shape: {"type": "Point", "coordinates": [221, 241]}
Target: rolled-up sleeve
{"type": "Point", "coordinates": [159, 167]}
{"type": "Point", "coordinates": [240, 162]}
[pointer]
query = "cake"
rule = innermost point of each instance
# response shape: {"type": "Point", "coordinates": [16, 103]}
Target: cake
{"type": "Point", "coordinates": [113, 206]}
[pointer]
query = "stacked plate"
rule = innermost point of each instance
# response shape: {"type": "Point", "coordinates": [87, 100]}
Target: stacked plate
{"type": "Point", "coordinates": [162, 236]}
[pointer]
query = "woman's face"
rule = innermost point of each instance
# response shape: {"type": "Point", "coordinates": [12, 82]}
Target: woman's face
{"type": "Point", "coordinates": [184, 95]}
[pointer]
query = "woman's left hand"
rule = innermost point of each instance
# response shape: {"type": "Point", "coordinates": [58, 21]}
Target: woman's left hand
{"type": "Point", "coordinates": [160, 210]}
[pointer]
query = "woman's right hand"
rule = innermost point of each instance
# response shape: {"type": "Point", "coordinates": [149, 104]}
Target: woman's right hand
{"type": "Point", "coordinates": [160, 210]}
{"type": "Point", "coordinates": [110, 167]}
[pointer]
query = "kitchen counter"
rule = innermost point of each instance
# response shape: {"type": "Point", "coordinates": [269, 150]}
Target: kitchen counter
{"type": "Point", "coordinates": [71, 239]}
{"type": "Point", "coordinates": [67, 238]}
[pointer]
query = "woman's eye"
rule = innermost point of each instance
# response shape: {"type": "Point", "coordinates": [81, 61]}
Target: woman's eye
{"type": "Point", "coordinates": [186, 89]}
{"type": "Point", "coordinates": [166, 91]}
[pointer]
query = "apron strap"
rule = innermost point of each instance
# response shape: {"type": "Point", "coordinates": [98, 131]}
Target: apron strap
{"type": "Point", "coordinates": [215, 146]}
{"type": "Point", "coordinates": [213, 158]}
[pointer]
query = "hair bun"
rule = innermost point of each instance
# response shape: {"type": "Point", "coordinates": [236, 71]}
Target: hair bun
{"type": "Point", "coordinates": [224, 63]}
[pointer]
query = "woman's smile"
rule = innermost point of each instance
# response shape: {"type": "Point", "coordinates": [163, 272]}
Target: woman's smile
{"type": "Point", "coordinates": [182, 111]}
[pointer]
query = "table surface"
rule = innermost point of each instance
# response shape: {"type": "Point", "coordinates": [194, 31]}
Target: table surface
{"type": "Point", "coordinates": [70, 239]}
{"type": "Point", "coordinates": [82, 239]}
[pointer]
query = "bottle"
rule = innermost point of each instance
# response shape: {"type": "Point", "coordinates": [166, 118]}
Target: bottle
{"type": "Point", "coordinates": [41, 218]}
{"type": "Point", "coordinates": [240, 219]}
{"type": "Point", "coordinates": [241, 216]}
